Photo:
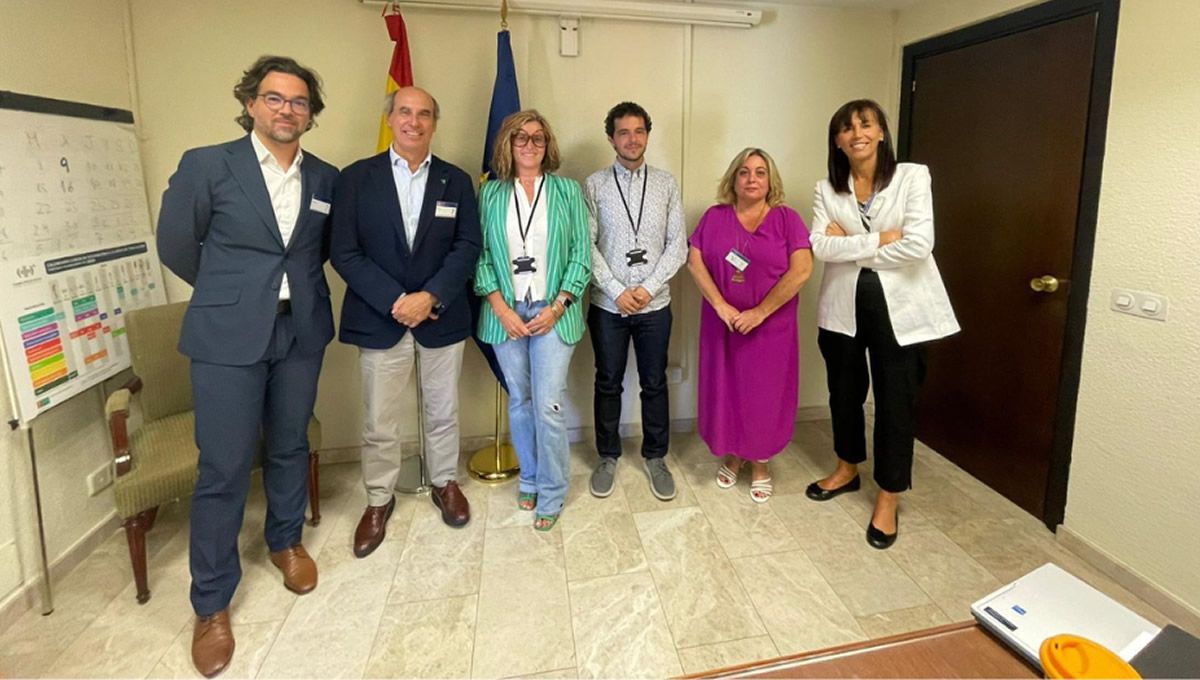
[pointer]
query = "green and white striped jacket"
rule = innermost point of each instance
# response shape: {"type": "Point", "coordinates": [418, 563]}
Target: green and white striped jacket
{"type": "Point", "coordinates": [568, 251]}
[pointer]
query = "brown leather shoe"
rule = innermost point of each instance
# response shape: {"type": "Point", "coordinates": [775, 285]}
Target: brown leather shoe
{"type": "Point", "coordinates": [299, 570]}
{"type": "Point", "coordinates": [456, 511]}
{"type": "Point", "coordinates": [372, 528]}
{"type": "Point", "coordinates": [212, 643]}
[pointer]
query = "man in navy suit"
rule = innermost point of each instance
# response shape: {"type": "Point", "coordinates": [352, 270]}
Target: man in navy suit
{"type": "Point", "coordinates": [246, 223]}
{"type": "Point", "coordinates": [405, 238]}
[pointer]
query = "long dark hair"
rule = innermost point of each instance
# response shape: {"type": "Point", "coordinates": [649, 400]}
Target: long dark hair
{"type": "Point", "coordinates": [839, 165]}
{"type": "Point", "coordinates": [247, 88]}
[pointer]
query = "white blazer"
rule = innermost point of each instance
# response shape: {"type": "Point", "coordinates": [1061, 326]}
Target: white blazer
{"type": "Point", "coordinates": [916, 298]}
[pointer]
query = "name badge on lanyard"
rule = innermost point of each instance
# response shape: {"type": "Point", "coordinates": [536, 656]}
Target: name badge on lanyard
{"type": "Point", "coordinates": [739, 262]}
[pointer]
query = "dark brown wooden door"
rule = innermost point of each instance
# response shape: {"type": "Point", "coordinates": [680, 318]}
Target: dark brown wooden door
{"type": "Point", "coordinates": [1002, 126]}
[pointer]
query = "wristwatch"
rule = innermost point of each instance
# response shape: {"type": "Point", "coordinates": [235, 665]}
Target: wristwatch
{"type": "Point", "coordinates": [565, 301]}
{"type": "Point", "coordinates": [438, 306]}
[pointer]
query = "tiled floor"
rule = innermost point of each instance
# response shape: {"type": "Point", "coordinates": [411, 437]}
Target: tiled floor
{"type": "Point", "coordinates": [626, 586]}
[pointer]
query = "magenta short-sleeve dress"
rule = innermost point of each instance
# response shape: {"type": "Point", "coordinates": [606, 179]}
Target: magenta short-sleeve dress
{"type": "Point", "coordinates": [748, 383]}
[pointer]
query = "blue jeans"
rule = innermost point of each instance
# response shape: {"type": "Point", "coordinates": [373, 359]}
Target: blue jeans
{"type": "Point", "coordinates": [535, 369]}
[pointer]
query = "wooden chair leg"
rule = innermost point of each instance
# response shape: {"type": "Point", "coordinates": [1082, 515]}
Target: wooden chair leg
{"type": "Point", "coordinates": [151, 516]}
{"type": "Point", "coordinates": [135, 535]}
{"type": "Point", "coordinates": [314, 487]}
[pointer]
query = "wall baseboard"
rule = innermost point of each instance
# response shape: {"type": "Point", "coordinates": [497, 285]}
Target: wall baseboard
{"type": "Point", "coordinates": [28, 594]}
{"type": "Point", "coordinates": [1179, 612]}
{"type": "Point", "coordinates": [410, 447]}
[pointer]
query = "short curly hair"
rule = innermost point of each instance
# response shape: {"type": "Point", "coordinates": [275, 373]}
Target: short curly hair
{"type": "Point", "coordinates": [247, 88]}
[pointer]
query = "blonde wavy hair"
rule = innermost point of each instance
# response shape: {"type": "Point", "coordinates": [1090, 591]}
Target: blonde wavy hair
{"type": "Point", "coordinates": [503, 163]}
{"type": "Point", "coordinates": [725, 191]}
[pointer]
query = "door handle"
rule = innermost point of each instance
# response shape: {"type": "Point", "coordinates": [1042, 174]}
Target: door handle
{"type": "Point", "coordinates": [1046, 284]}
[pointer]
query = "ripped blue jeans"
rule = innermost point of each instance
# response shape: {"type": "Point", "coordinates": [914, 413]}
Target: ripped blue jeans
{"type": "Point", "coordinates": [535, 369]}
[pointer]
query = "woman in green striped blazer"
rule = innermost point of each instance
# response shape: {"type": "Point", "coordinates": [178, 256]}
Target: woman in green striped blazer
{"type": "Point", "coordinates": [535, 264]}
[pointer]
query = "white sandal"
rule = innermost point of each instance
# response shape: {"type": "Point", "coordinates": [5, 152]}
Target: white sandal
{"type": "Point", "coordinates": [761, 490]}
{"type": "Point", "coordinates": [726, 477]}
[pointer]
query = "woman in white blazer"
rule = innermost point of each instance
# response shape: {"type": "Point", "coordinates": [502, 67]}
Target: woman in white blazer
{"type": "Point", "coordinates": [882, 297]}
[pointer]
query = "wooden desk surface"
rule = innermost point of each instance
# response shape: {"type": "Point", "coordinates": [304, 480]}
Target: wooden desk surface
{"type": "Point", "coordinates": [956, 650]}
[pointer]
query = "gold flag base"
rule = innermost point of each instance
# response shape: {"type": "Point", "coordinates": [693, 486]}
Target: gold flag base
{"type": "Point", "coordinates": [494, 464]}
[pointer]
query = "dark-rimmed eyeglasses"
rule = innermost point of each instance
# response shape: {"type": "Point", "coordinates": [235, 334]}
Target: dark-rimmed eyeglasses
{"type": "Point", "coordinates": [275, 102]}
{"type": "Point", "coordinates": [522, 139]}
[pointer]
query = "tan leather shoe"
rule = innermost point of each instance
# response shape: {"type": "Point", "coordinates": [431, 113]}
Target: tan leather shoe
{"type": "Point", "coordinates": [372, 527]}
{"type": "Point", "coordinates": [299, 570]}
{"type": "Point", "coordinates": [456, 511]}
{"type": "Point", "coordinates": [212, 643]}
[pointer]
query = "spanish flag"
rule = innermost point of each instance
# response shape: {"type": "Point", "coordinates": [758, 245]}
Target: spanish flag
{"type": "Point", "coordinates": [400, 70]}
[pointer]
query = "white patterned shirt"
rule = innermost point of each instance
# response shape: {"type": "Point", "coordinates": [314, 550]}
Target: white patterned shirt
{"type": "Point", "coordinates": [660, 234]}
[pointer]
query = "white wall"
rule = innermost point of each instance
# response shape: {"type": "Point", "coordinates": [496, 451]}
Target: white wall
{"type": "Point", "coordinates": [710, 93]}
{"type": "Point", "coordinates": [1134, 476]}
{"type": "Point", "coordinates": [73, 51]}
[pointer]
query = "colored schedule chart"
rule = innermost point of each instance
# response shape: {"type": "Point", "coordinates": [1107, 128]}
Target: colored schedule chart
{"type": "Point", "coordinates": [44, 351]}
{"type": "Point", "coordinates": [64, 320]}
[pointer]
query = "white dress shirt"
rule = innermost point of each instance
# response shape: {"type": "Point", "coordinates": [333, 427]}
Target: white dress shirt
{"type": "Point", "coordinates": [284, 188]}
{"type": "Point", "coordinates": [912, 286]}
{"type": "Point", "coordinates": [410, 187]}
{"type": "Point", "coordinates": [535, 243]}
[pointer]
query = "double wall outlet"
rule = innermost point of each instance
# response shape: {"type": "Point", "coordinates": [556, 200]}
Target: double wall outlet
{"type": "Point", "coordinates": [100, 479]}
{"type": "Point", "coordinates": [1139, 303]}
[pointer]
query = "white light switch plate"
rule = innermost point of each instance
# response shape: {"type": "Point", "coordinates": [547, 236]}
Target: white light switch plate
{"type": "Point", "coordinates": [1139, 303]}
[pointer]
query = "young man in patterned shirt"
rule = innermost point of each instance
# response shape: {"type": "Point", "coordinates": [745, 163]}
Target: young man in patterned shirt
{"type": "Point", "coordinates": [638, 243]}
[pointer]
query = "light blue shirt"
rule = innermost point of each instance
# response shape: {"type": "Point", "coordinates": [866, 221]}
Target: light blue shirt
{"type": "Point", "coordinates": [410, 187]}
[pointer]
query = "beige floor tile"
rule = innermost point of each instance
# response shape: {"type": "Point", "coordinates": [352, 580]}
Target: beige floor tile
{"type": "Point", "coordinates": [620, 629]}
{"type": "Point", "coordinates": [557, 674]}
{"type": "Point", "coordinates": [502, 510]}
{"type": "Point", "coordinates": [860, 506]}
{"type": "Point", "coordinates": [900, 621]}
{"type": "Point", "coordinates": [252, 640]}
{"type": "Point", "coordinates": [523, 544]}
{"type": "Point", "coordinates": [812, 522]}
{"type": "Point", "coordinates": [800, 610]}
{"type": "Point", "coordinates": [726, 654]}
{"type": "Point", "coordinates": [867, 580]}
{"type": "Point", "coordinates": [109, 647]}
{"type": "Point", "coordinates": [339, 618]}
{"type": "Point", "coordinates": [742, 526]}
{"type": "Point", "coordinates": [524, 621]}
{"type": "Point", "coordinates": [439, 561]}
{"type": "Point", "coordinates": [687, 448]}
{"type": "Point", "coordinates": [599, 536]}
{"type": "Point", "coordinates": [951, 578]}
{"type": "Point", "coordinates": [29, 665]}
{"type": "Point", "coordinates": [431, 639]}
{"type": "Point", "coordinates": [697, 585]}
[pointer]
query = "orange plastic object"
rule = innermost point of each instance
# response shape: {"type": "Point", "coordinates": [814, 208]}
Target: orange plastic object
{"type": "Point", "coordinates": [1070, 656]}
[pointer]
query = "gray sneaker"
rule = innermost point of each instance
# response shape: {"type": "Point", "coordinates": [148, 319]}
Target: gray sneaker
{"type": "Point", "coordinates": [603, 477]}
{"type": "Point", "coordinates": [662, 484]}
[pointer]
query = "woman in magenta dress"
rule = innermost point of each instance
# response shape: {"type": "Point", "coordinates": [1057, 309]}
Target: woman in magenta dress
{"type": "Point", "coordinates": [750, 256]}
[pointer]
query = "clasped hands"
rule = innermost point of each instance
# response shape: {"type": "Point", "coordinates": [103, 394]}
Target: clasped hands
{"type": "Point", "coordinates": [885, 237]}
{"type": "Point", "coordinates": [540, 324]}
{"type": "Point", "coordinates": [411, 309]}
{"type": "Point", "coordinates": [633, 300]}
{"type": "Point", "coordinates": [740, 321]}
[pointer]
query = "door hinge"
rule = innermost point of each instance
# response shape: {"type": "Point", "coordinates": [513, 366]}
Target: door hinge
{"type": "Point", "coordinates": [914, 86]}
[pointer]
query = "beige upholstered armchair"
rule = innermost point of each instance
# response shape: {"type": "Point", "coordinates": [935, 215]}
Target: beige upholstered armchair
{"type": "Point", "coordinates": [156, 462]}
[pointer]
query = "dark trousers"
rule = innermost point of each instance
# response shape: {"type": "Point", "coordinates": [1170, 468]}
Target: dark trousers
{"type": "Point", "coordinates": [651, 333]}
{"type": "Point", "coordinates": [234, 405]}
{"type": "Point", "coordinates": [897, 373]}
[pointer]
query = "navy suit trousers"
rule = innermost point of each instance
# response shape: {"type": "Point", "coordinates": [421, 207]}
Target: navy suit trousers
{"type": "Point", "coordinates": [236, 408]}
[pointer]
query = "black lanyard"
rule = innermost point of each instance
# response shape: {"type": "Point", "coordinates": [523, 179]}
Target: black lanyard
{"type": "Point", "coordinates": [637, 226]}
{"type": "Point", "coordinates": [523, 229]}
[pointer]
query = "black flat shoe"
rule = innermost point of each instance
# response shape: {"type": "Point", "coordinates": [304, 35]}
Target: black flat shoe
{"type": "Point", "coordinates": [879, 540]}
{"type": "Point", "coordinates": [816, 493]}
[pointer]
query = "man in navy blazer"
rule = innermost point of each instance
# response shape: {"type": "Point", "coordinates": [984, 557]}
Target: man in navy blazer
{"type": "Point", "coordinates": [246, 223]}
{"type": "Point", "coordinates": [406, 238]}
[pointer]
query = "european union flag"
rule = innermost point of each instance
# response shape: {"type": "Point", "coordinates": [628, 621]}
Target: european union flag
{"type": "Point", "coordinates": [506, 100]}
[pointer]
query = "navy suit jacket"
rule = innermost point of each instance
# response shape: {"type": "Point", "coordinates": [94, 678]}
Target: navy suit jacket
{"type": "Point", "coordinates": [372, 253]}
{"type": "Point", "coordinates": [217, 231]}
